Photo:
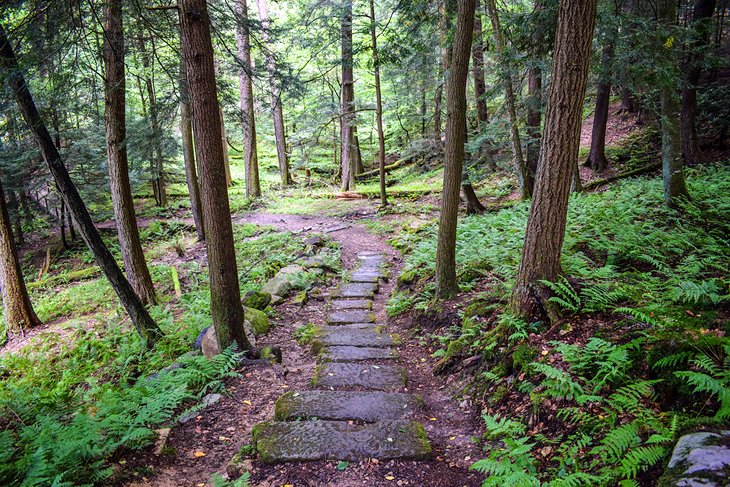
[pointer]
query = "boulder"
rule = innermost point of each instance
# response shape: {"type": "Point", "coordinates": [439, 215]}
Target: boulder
{"type": "Point", "coordinates": [290, 270]}
{"type": "Point", "coordinates": [258, 321]}
{"type": "Point", "coordinates": [314, 241]}
{"type": "Point", "coordinates": [257, 299]}
{"type": "Point", "coordinates": [277, 286]}
{"type": "Point", "coordinates": [209, 343]}
{"type": "Point", "coordinates": [699, 459]}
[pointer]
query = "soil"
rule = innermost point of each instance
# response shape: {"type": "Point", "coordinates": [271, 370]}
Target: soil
{"type": "Point", "coordinates": [221, 429]}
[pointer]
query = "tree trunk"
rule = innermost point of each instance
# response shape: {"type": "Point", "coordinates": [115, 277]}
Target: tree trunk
{"type": "Point", "coordinates": [62, 224]}
{"type": "Point", "coordinates": [197, 48]}
{"type": "Point", "coordinates": [14, 210]}
{"type": "Point", "coordinates": [446, 285]}
{"type": "Point", "coordinates": [444, 62]}
{"type": "Point", "coordinates": [700, 28]}
{"type": "Point", "coordinates": [519, 161]}
{"type": "Point", "coordinates": [224, 144]}
{"type": "Point", "coordinates": [675, 188]}
{"type": "Point", "coordinates": [534, 120]}
{"type": "Point", "coordinates": [378, 108]}
{"type": "Point", "coordinates": [141, 319]}
{"type": "Point", "coordinates": [188, 145]}
{"type": "Point", "coordinates": [473, 205]}
{"type": "Point", "coordinates": [558, 158]}
{"type": "Point", "coordinates": [477, 54]}
{"type": "Point", "coordinates": [356, 153]}
{"type": "Point", "coordinates": [17, 309]}
{"type": "Point", "coordinates": [157, 162]}
{"type": "Point", "coordinates": [116, 149]}
{"type": "Point", "coordinates": [245, 81]}
{"type": "Point", "coordinates": [349, 169]}
{"type": "Point", "coordinates": [628, 102]}
{"type": "Point", "coordinates": [597, 156]}
{"type": "Point", "coordinates": [276, 108]}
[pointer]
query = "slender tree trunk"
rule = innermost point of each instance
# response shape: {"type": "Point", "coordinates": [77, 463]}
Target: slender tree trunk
{"type": "Point", "coordinates": [250, 153]}
{"type": "Point", "coordinates": [378, 107]}
{"type": "Point", "coordinates": [197, 48]}
{"type": "Point", "coordinates": [675, 188]}
{"type": "Point", "coordinates": [348, 99]}
{"type": "Point", "coordinates": [14, 210]}
{"type": "Point", "coordinates": [558, 158]}
{"type": "Point", "coordinates": [477, 54]}
{"type": "Point", "coordinates": [141, 319]}
{"type": "Point", "coordinates": [224, 144]}
{"type": "Point", "coordinates": [534, 121]}
{"type": "Point", "coordinates": [276, 107]}
{"type": "Point", "coordinates": [597, 156]}
{"type": "Point", "coordinates": [116, 149]}
{"type": "Point", "coordinates": [446, 285]}
{"type": "Point", "coordinates": [519, 161]}
{"type": "Point", "coordinates": [191, 170]}
{"type": "Point", "coordinates": [443, 67]}
{"type": "Point", "coordinates": [700, 29]}
{"type": "Point", "coordinates": [356, 153]}
{"type": "Point", "coordinates": [17, 309]}
{"type": "Point", "coordinates": [62, 224]}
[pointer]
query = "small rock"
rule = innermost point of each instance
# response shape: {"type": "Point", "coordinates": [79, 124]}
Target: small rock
{"type": "Point", "coordinates": [277, 286]}
{"type": "Point", "coordinates": [314, 241]}
{"type": "Point", "coordinates": [257, 299]}
{"type": "Point", "coordinates": [209, 343]}
{"type": "Point", "coordinates": [211, 399]}
{"type": "Point", "coordinates": [276, 299]}
{"type": "Point", "coordinates": [184, 418]}
{"type": "Point", "coordinates": [699, 459]}
{"type": "Point", "coordinates": [162, 435]}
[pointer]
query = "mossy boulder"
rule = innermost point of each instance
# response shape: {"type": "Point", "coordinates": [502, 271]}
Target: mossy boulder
{"type": "Point", "coordinates": [257, 299]}
{"type": "Point", "coordinates": [257, 319]}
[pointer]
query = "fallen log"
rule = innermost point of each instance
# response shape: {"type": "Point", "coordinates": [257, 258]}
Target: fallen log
{"type": "Point", "coordinates": [391, 167]}
{"type": "Point", "coordinates": [628, 174]}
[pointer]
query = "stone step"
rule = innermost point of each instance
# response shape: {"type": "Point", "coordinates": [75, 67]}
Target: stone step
{"type": "Point", "coordinates": [364, 275]}
{"type": "Point", "coordinates": [367, 407]}
{"type": "Point", "coordinates": [359, 376]}
{"type": "Point", "coordinates": [343, 304]}
{"type": "Point", "coordinates": [293, 441]}
{"type": "Point", "coordinates": [346, 353]}
{"type": "Point", "coordinates": [350, 316]}
{"type": "Point", "coordinates": [368, 336]}
{"type": "Point", "coordinates": [356, 290]}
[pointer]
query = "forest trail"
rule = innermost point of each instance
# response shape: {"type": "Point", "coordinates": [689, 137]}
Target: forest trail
{"type": "Point", "coordinates": [221, 429]}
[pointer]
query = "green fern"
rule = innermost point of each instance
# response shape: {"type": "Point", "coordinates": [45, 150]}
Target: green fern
{"type": "Point", "coordinates": [563, 294]}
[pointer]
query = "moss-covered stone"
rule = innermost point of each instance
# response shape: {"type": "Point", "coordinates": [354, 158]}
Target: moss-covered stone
{"type": "Point", "coordinates": [257, 300]}
{"type": "Point", "coordinates": [522, 356]}
{"type": "Point", "coordinates": [258, 320]}
{"type": "Point", "coordinates": [479, 308]}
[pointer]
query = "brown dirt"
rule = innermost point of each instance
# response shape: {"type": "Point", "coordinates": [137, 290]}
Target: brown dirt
{"type": "Point", "coordinates": [618, 127]}
{"type": "Point", "coordinates": [221, 429]}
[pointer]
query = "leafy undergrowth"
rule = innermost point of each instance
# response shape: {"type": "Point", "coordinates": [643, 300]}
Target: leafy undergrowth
{"type": "Point", "coordinates": [86, 387]}
{"type": "Point", "coordinates": [639, 355]}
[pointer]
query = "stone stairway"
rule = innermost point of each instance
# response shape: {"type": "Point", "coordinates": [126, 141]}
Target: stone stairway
{"type": "Point", "coordinates": [354, 410]}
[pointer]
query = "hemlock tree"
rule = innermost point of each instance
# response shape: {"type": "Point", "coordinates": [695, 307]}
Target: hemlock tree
{"type": "Point", "coordinates": [188, 149]}
{"type": "Point", "coordinates": [347, 152]}
{"type": "Point", "coordinates": [276, 108]}
{"type": "Point", "coordinates": [378, 108]}
{"type": "Point", "coordinates": [446, 285]}
{"type": "Point", "coordinates": [477, 54]}
{"type": "Point", "coordinates": [17, 310]}
{"type": "Point", "coordinates": [225, 296]}
{"type": "Point", "coordinates": [675, 187]}
{"type": "Point", "coordinates": [558, 158]}
{"type": "Point", "coordinates": [245, 81]}
{"type": "Point", "coordinates": [116, 148]}
{"type": "Point", "coordinates": [597, 156]}
{"type": "Point", "coordinates": [141, 319]}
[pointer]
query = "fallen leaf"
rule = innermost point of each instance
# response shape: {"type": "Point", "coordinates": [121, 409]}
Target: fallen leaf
{"type": "Point", "coordinates": [198, 454]}
{"type": "Point", "coordinates": [432, 419]}
{"type": "Point", "coordinates": [389, 477]}
{"type": "Point", "coordinates": [247, 402]}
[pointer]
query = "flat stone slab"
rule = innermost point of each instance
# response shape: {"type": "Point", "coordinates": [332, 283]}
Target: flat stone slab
{"type": "Point", "coordinates": [356, 290]}
{"type": "Point", "coordinates": [336, 228]}
{"type": "Point", "coordinates": [369, 336]}
{"type": "Point", "coordinates": [359, 376]}
{"type": "Point", "coordinates": [365, 276]}
{"type": "Point", "coordinates": [336, 440]}
{"type": "Point", "coordinates": [350, 316]}
{"type": "Point", "coordinates": [342, 304]}
{"type": "Point", "coordinates": [367, 407]}
{"type": "Point", "coordinates": [346, 353]}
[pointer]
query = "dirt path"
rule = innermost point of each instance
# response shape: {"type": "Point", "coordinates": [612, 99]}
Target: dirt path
{"type": "Point", "coordinates": [221, 429]}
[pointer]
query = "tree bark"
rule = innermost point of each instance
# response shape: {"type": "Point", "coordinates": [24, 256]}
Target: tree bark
{"type": "Point", "coordinates": [197, 48]}
{"type": "Point", "coordinates": [276, 109]}
{"type": "Point", "coordinates": [444, 63]}
{"type": "Point", "coordinates": [534, 121]}
{"type": "Point", "coordinates": [224, 144]}
{"type": "Point", "coordinates": [245, 81]}
{"type": "Point", "coordinates": [675, 188]}
{"type": "Point", "coordinates": [597, 156]}
{"type": "Point", "coordinates": [349, 170]}
{"type": "Point", "coordinates": [378, 108]}
{"type": "Point", "coordinates": [191, 170]}
{"type": "Point", "coordinates": [519, 161]}
{"type": "Point", "coordinates": [558, 158]}
{"type": "Point", "coordinates": [446, 285]}
{"type": "Point", "coordinates": [17, 309]}
{"type": "Point", "coordinates": [477, 54]}
{"type": "Point", "coordinates": [700, 28]}
{"type": "Point", "coordinates": [116, 149]}
{"type": "Point", "coordinates": [141, 319]}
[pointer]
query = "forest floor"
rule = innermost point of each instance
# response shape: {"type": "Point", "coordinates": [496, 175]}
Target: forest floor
{"type": "Point", "coordinates": [220, 430]}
